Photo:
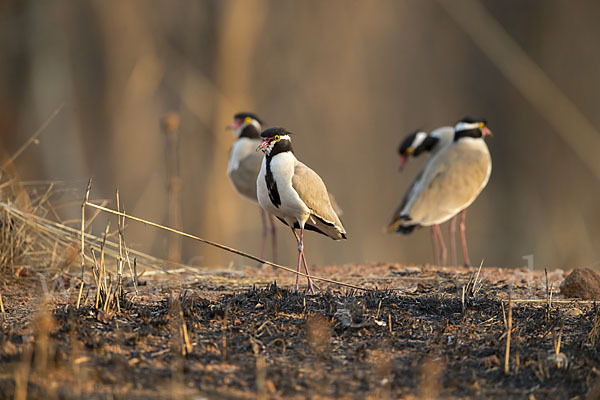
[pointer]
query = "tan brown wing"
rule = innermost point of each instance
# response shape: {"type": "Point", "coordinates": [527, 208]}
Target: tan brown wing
{"type": "Point", "coordinates": [453, 183]}
{"type": "Point", "coordinates": [313, 193]}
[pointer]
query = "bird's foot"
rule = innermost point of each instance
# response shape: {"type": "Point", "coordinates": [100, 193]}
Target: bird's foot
{"type": "Point", "coordinates": [312, 286]}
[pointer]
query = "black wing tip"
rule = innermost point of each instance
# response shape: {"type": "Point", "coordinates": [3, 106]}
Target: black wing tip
{"type": "Point", "coordinates": [406, 229]}
{"type": "Point", "coordinates": [343, 236]}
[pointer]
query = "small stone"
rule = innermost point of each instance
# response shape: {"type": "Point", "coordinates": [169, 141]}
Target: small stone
{"type": "Point", "coordinates": [582, 283]}
{"type": "Point", "coordinates": [573, 312]}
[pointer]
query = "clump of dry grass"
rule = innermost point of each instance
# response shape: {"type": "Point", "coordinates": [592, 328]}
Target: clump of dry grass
{"type": "Point", "coordinates": [19, 246]}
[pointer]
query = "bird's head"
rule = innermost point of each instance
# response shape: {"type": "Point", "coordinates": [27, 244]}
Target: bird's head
{"type": "Point", "coordinates": [411, 145]}
{"type": "Point", "coordinates": [471, 127]}
{"type": "Point", "coordinates": [275, 140]}
{"type": "Point", "coordinates": [246, 124]}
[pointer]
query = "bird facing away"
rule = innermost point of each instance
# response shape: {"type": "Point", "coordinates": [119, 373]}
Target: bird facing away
{"type": "Point", "coordinates": [414, 145]}
{"type": "Point", "coordinates": [244, 165]}
{"type": "Point", "coordinates": [294, 193]}
{"type": "Point", "coordinates": [450, 181]}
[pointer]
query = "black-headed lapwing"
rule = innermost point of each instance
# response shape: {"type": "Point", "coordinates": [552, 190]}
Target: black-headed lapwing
{"type": "Point", "coordinates": [450, 181]}
{"type": "Point", "coordinates": [244, 166]}
{"type": "Point", "coordinates": [294, 193]}
{"type": "Point", "coordinates": [414, 145]}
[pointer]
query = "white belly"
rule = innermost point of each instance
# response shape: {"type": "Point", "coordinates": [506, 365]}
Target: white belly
{"type": "Point", "coordinates": [241, 148]}
{"type": "Point", "coordinates": [292, 209]}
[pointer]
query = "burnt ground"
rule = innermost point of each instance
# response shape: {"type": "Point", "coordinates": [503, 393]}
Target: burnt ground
{"type": "Point", "coordinates": [247, 335]}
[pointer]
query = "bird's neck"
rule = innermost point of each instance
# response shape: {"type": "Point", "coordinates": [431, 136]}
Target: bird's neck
{"type": "Point", "coordinates": [282, 146]}
{"type": "Point", "coordinates": [250, 131]}
{"type": "Point", "coordinates": [472, 133]}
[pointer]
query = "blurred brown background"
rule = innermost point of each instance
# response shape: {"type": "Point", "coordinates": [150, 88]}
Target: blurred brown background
{"type": "Point", "coordinates": [350, 78]}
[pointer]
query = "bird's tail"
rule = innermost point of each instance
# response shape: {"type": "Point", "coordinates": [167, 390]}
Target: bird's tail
{"type": "Point", "coordinates": [399, 225]}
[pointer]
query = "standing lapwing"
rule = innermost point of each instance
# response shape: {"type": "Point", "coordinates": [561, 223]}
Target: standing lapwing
{"type": "Point", "coordinates": [294, 193]}
{"type": "Point", "coordinates": [450, 181]}
{"type": "Point", "coordinates": [244, 165]}
{"type": "Point", "coordinates": [414, 145]}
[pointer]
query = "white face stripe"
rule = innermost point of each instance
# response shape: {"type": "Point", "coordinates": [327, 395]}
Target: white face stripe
{"type": "Point", "coordinates": [418, 139]}
{"type": "Point", "coordinates": [267, 150]}
{"type": "Point", "coordinates": [466, 126]}
{"type": "Point", "coordinates": [256, 124]}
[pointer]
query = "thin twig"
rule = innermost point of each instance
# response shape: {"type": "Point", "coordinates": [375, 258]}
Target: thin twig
{"type": "Point", "coordinates": [223, 247]}
{"type": "Point", "coordinates": [122, 239]}
{"type": "Point", "coordinates": [548, 296]}
{"type": "Point", "coordinates": [555, 301]}
{"type": "Point", "coordinates": [85, 200]}
{"type": "Point", "coordinates": [80, 292]}
{"type": "Point", "coordinates": [102, 261]}
{"type": "Point", "coordinates": [475, 289]}
{"type": "Point", "coordinates": [2, 308]}
{"type": "Point", "coordinates": [33, 137]}
{"type": "Point", "coordinates": [508, 334]}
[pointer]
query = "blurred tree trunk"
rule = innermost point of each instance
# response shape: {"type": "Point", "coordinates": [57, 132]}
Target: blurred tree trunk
{"type": "Point", "coordinates": [240, 26]}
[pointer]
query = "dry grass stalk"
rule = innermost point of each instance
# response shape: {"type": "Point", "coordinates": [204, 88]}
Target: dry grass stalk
{"type": "Point", "coordinates": [556, 340]}
{"type": "Point", "coordinates": [548, 296]}
{"type": "Point", "coordinates": [504, 315]}
{"type": "Point", "coordinates": [85, 200]}
{"type": "Point", "coordinates": [49, 235]}
{"type": "Point", "coordinates": [186, 347]}
{"type": "Point", "coordinates": [33, 137]}
{"type": "Point", "coordinates": [508, 334]}
{"type": "Point", "coordinates": [80, 292]}
{"type": "Point", "coordinates": [2, 308]}
{"type": "Point", "coordinates": [123, 249]}
{"type": "Point", "coordinates": [541, 371]}
{"type": "Point", "coordinates": [102, 259]}
{"type": "Point", "coordinates": [555, 301]}
{"type": "Point", "coordinates": [108, 297]}
{"type": "Point", "coordinates": [593, 334]}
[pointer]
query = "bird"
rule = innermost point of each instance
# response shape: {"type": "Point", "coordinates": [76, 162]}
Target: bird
{"type": "Point", "coordinates": [413, 145]}
{"type": "Point", "coordinates": [449, 182]}
{"type": "Point", "coordinates": [244, 165]}
{"type": "Point", "coordinates": [294, 193]}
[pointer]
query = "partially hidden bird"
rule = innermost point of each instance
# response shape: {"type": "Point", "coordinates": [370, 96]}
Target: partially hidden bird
{"type": "Point", "coordinates": [414, 145]}
{"type": "Point", "coordinates": [244, 166]}
{"type": "Point", "coordinates": [294, 193]}
{"type": "Point", "coordinates": [456, 173]}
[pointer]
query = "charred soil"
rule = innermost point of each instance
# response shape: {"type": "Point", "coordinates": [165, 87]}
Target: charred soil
{"type": "Point", "coordinates": [418, 337]}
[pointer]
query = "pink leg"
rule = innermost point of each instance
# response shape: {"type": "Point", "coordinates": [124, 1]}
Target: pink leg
{"type": "Point", "coordinates": [436, 261]}
{"type": "Point", "coordinates": [442, 245]}
{"type": "Point", "coordinates": [452, 230]}
{"type": "Point", "coordinates": [299, 257]}
{"type": "Point", "coordinates": [302, 257]}
{"type": "Point", "coordinates": [263, 217]}
{"type": "Point", "coordinates": [463, 237]}
{"type": "Point", "coordinates": [273, 238]}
